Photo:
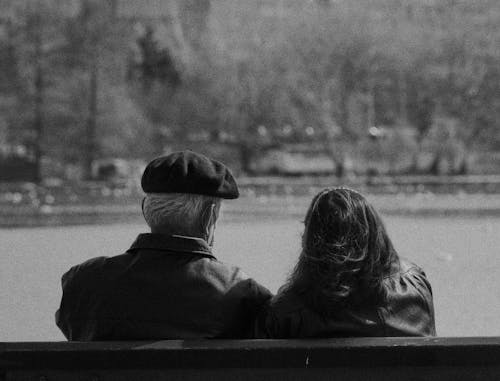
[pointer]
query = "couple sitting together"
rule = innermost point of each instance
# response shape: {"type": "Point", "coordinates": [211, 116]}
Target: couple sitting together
{"type": "Point", "coordinates": [349, 280]}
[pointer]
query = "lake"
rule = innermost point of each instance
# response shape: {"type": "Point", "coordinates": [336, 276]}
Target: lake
{"type": "Point", "coordinates": [459, 255]}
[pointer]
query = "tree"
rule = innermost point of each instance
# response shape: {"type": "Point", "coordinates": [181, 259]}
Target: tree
{"type": "Point", "coordinates": [34, 41]}
{"type": "Point", "coordinates": [96, 59]}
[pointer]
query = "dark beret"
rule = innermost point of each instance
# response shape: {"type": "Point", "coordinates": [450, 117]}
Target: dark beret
{"type": "Point", "coordinates": [189, 172]}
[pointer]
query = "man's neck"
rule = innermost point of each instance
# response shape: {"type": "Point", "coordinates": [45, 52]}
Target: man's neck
{"type": "Point", "coordinates": [180, 233]}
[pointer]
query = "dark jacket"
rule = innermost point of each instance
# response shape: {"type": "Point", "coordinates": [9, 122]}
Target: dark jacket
{"type": "Point", "coordinates": [163, 287]}
{"type": "Point", "coordinates": [407, 311]}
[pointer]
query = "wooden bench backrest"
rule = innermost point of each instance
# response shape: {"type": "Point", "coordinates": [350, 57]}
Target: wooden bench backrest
{"type": "Point", "coordinates": [469, 358]}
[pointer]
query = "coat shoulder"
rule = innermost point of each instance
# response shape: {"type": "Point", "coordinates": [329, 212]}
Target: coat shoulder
{"type": "Point", "coordinates": [89, 267]}
{"type": "Point", "coordinates": [409, 309]}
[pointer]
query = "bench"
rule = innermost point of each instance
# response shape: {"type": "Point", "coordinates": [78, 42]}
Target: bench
{"type": "Point", "coordinates": [469, 358]}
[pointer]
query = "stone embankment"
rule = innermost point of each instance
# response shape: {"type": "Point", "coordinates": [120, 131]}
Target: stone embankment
{"type": "Point", "coordinates": [271, 197]}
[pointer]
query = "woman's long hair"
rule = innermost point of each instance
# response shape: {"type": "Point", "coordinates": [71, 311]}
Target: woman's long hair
{"type": "Point", "coordinates": [346, 253]}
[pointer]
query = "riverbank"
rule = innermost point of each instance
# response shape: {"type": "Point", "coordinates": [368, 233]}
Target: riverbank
{"type": "Point", "coordinates": [420, 204]}
{"type": "Point", "coordinates": [252, 207]}
{"type": "Point", "coordinates": [90, 203]}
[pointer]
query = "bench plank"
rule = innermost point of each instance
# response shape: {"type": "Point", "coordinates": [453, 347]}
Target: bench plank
{"type": "Point", "coordinates": [468, 358]}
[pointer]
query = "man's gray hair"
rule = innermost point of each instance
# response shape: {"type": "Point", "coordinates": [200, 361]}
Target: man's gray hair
{"type": "Point", "coordinates": [179, 213]}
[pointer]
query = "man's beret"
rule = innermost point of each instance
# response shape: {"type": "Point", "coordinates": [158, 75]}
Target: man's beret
{"type": "Point", "coordinates": [189, 172]}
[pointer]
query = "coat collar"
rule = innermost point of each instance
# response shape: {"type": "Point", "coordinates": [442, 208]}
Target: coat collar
{"type": "Point", "coordinates": [172, 243]}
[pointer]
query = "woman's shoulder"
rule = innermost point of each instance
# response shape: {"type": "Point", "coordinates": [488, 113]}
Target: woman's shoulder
{"type": "Point", "coordinates": [287, 301]}
{"type": "Point", "coordinates": [279, 318]}
{"type": "Point", "coordinates": [407, 276]}
{"type": "Point", "coordinates": [404, 267]}
{"type": "Point", "coordinates": [408, 310]}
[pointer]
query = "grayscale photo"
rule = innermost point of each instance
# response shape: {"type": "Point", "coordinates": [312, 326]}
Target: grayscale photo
{"type": "Point", "coordinates": [250, 189]}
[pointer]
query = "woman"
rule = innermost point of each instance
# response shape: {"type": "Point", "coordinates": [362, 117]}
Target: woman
{"type": "Point", "coordinates": [349, 280]}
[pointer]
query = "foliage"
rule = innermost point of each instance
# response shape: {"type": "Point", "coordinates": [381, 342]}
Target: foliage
{"type": "Point", "coordinates": [82, 97]}
{"type": "Point", "coordinates": [278, 69]}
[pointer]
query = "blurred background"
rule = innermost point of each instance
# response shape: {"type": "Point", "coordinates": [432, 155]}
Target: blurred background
{"type": "Point", "coordinates": [399, 99]}
{"type": "Point", "coordinates": [269, 86]}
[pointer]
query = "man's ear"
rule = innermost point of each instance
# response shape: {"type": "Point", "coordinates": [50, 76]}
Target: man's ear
{"type": "Point", "coordinates": [212, 215]}
{"type": "Point", "coordinates": [142, 206]}
{"type": "Point", "coordinates": [209, 221]}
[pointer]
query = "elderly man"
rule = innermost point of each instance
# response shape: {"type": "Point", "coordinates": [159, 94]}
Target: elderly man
{"type": "Point", "coordinates": [168, 285]}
